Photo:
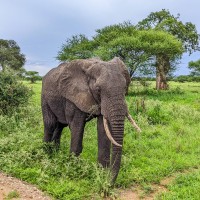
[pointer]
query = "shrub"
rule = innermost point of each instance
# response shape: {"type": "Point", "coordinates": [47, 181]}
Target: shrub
{"type": "Point", "coordinates": [12, 93]}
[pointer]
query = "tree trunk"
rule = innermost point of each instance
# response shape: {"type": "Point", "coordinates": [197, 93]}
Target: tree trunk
{"type": "Point", "coordinates": [162, 68]}
{"type": "Point", "coordinates": [158, 82]}
{"type": "Point", "coordinates": [161, 80]}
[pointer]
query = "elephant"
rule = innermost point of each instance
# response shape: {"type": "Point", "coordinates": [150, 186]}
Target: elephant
{"type": "Point", "coordinates": [78, 91]}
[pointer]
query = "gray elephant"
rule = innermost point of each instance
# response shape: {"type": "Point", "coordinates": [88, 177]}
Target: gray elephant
{"type": "Point", "coordinates": [77, 91]}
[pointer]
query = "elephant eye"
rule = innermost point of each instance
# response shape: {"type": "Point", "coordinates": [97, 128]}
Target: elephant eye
{"type": "Point", "coordinates": [98, 88]}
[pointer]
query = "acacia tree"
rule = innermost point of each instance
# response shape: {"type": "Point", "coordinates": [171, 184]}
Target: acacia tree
{"type": "Point", "coordinates": [32, 76]}
{"type": "Point", "coordinates": [10, 55]}
{"type": "Point", "coordinates": [80, 47]}
{"type": "Point", "coordinates": [138, 48]}
{"type": "Point", "coordinates": [195, 67]}
{"type": "Point", "coordinates": [115, 40]}
{"type": "Point", "coordinates": [186, 33]}
{"type": "Point", "coordinates": [77, 47]}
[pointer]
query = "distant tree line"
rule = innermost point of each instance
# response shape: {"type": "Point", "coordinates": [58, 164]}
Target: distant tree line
{"type": "Point", "coordinates": [186, 78]}
{"type": "Point", "coordinates": [154, 46]}
{"type": "Point", "coordinates": [180, 78]}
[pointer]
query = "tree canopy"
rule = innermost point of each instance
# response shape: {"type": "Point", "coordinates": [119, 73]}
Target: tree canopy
{"type": "Point", "coordinates": [137, 48]}
{"type": "Point", "coordinates": [157, 42]}
{"type": "Point", "coordinates": [195, 67]}
{"type": "Point", "coordinates": [186, 33]}
{"type": "Point", "coordinates": [10, 55]}
{"type": "Point", "coordinates": [164, 20]}
{"type": "Point", "coordinates": [77, 47]}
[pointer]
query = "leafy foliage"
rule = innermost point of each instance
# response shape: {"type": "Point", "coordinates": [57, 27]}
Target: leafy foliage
{"type": "Point", "coordinates": [77, 47]}
{"type": "Point", "coordinates": [137, 48]}
{"type": "Point", "coordinates": [12, 93]}
{"type": "Point", "coordinates": [164, 20]}
{"type": "Point", "coordinates": [141, 45]}
{"type": "Point", "coordinates": [10, 55]}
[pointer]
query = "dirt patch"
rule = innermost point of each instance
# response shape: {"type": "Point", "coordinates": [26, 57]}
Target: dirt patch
{"type": "Point", "coordinates": [10, 186]}
{"type": "Point", "coordinates": [132, 193]}
{"type": "Point", "coordinates": [136, 193]}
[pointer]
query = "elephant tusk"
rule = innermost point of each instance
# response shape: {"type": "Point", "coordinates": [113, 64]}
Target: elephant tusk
{"type": "Point", "coordinates": [133, 123]}
{"type": "Point", "coordinates": [105, 123]}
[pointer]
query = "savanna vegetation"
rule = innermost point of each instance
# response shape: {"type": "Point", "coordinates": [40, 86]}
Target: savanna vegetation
{"type": "Point", "coordinates": [169, 144]}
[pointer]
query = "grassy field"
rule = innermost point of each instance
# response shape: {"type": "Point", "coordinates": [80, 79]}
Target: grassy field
{"type": "Point", "coordinates": [169, 143]}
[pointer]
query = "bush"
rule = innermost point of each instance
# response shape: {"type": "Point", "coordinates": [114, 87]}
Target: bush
{"type": "Point", "coordinates": [12, 93]}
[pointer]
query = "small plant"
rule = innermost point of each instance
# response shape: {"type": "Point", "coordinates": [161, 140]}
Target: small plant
{"type": "Point", "coordinates": [144, 83]}
{"type": "Point", "coordinates": [103, 181]}
{"type": "Point", "coordinates": [156, 115]}
{"type": "Point", "coordinates": [140, 105]}
{"type": "Point", "coordinates": [147, 189]}
{"type": "Point", "coordinates": [177, 90]}
{"type": "Point", "coordinates": [12, 195]}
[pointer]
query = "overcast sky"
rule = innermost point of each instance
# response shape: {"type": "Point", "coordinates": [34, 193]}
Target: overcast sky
{"type": "Point", "coordinates": [40, 27]}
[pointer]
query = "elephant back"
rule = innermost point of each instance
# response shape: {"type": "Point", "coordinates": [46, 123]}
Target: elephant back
{"type": "Point", "coordinates": [50, 80]}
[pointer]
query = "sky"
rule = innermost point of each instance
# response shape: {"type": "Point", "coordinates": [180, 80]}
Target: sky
{"type": "Point", "coordinates": [40, 27]}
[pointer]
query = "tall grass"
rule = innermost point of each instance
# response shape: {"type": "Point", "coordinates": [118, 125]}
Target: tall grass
{"type": "Point", "coordinates": [169, 142]}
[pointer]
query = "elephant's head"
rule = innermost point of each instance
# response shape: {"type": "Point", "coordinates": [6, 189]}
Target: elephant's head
{"type": "Point", "coordinates": [98, 87]}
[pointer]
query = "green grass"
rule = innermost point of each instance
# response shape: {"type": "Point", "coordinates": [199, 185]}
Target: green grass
{"type": "Point", "coordinates": [169, 142]}
{"type": "Point", "coordinates": [185, 186]}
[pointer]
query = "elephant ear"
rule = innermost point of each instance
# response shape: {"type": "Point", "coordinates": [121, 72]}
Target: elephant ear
{"type": "Point", "coordinates": [123, 69]}
{"type": "Point", "coordinates": [73, 85]}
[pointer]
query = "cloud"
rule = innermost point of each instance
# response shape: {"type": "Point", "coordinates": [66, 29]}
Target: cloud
{"type": "Point", "coordinates": [41, 66]}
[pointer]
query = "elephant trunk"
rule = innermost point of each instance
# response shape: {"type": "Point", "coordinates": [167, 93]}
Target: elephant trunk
{"type": "Point", "coordinates": [109, 135]}
{"type": "Point", "coordinates": [115, 119]}
{"type": "Point", "coordinates": [117, 127]}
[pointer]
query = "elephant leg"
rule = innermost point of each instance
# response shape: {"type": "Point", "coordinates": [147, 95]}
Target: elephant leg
{"type": "Point", "coordinates": [103, 144]}
{"type": "Point", "coordinates": [57, 133]}
{"type": "Point", "coordinates": [49, 122]}
{"type": "Point", "coordinates": [77, 128]}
